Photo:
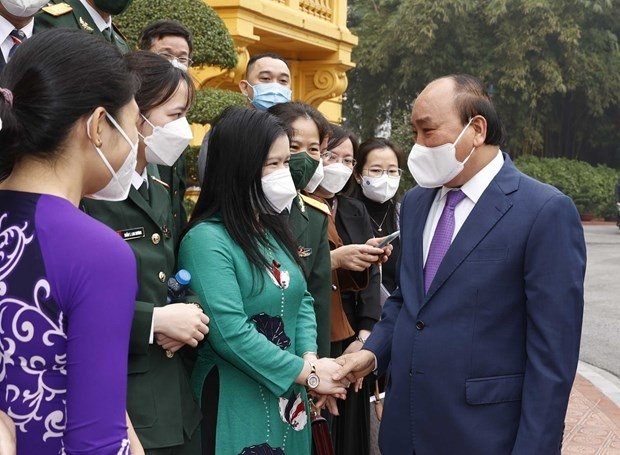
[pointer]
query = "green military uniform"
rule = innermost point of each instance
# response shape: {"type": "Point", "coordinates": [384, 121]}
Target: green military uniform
{"type": "Point", "coordinates": [160, 402]}
{"type": "Point", "coordinates": [308, 222]}
{"type": "Point", "coordinates": [174, 176]}
{"type": "Point", "coordinates": [72, 14]}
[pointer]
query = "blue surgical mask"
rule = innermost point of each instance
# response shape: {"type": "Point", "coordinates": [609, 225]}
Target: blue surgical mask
{"type": "Point", "coordinates": [270, 94]}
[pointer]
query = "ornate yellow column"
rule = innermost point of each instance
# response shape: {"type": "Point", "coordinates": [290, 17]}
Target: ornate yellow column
{"type": "Point", "coordinates": [321, 84]}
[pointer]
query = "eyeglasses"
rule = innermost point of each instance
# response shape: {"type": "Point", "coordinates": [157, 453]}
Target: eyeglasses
{"type": "Point", "coordinates": [331, 158]}
{"type": "Point", "coordinates": [184, 60]}
{"type": "Point", "coordinates": [393, 172]}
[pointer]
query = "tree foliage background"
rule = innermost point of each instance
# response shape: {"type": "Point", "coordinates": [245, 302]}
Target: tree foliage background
{"type": "Point", "coordinates": [552, 67]}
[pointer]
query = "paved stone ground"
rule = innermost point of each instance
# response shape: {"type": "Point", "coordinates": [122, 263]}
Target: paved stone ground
{"type": "Point", "coordinates": [592, 422]}
{"type": "Point", "coordinates": [600, 339]}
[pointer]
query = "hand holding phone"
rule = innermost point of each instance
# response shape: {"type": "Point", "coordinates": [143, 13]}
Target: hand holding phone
{"type": "Point", "coordinates": [388, 239]}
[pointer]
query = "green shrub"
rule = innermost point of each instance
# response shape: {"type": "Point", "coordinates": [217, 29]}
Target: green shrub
{"type": "Point", "coordinates": [191, 168]}
{"type": "Point", "coordinates": [211, 102]}
{"type": "Point", "coordinates": [212, 42]}
{"type": "Point", "coordinates": [208, 106]}
{"type": "Point", "coordinates": [591, 187]}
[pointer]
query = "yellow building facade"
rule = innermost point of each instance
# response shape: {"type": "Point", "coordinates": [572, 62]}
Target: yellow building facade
{"type": "Point", "coordinates": [311, 35]}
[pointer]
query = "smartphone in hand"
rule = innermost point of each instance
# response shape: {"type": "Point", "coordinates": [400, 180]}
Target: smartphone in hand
{"type": "Point", "coordinates": [389, 239]}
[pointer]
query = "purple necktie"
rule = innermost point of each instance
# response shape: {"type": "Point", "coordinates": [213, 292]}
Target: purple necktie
{"type": "Point", "coordinates": [442, 237]}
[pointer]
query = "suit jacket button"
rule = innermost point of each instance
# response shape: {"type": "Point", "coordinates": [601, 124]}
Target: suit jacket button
{"type": "Point", "coordinates": [155, 238]}
{"type": "Point", "coordinates": [420, 325]}
{"type": "Point", "coordinates": [334, 287]}
{"type": "Point", "coordinates": [162, 277]}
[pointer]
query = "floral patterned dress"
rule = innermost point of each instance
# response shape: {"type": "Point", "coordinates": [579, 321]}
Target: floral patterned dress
{"type": "Point", "coordinates": [261, 325]}
{"type": "Point", "coordinates": [67, 287]}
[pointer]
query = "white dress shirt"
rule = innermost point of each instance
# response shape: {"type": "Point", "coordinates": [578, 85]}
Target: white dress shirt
{"type": "Point", "coordinates": [138, 179]}
{"type": "Point", "coordinates": [473, 189]}
{"type": "Point", "coordinates": [100, 22]}
{"type": "Point", "coordinates": [6, 43]}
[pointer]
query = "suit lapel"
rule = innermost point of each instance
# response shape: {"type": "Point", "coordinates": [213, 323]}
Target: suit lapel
{"type": "Point", "coordinates": [298, 220]}
{"type": "Point", "coordinates": [421, 207]}
{"type": "Point", "coordinates": [82, 16]}
{"type": "Point", "coordinates": [137, 199]}
{"type": "Point", "coordinates": [351, 219]}
{"type": "Point", "coordinates": [490, 208]}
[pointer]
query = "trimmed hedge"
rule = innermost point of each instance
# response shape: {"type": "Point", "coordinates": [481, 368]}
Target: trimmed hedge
{"type": "Point", "coordinates": [592, 188]}
{"type": "Point", "coordinates": [209, 105]}
{"type": "Point", "coordinates": [213, 44]}
{"type": "Point", "coordinates": [210, 102]}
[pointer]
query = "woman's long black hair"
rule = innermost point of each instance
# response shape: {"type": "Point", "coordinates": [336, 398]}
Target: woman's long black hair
{"type": "Point", "coordinates": [239, 144]}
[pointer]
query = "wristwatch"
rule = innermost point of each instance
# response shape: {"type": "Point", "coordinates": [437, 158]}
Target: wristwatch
{"type": "Point", "coordinates": [313, 380]}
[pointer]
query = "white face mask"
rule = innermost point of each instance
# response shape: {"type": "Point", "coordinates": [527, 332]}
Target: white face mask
{"type": "Point", "coordinates": [174, 62]}
{"type": "Point", "coordinates": [166, 143]}
{"type": "Point", "coordinates": [316, 179]}
{"type": "Point", "coordinates": [118, 187]}
{"type": "Point", "coordinates": [269, 94]}
{"type": "Point", "coordinates": [279, 189]}
{"type": "Point", "coordinates": [23, 8]}
{"type": "Point", "coordinates": [380, 189]}
{"type": "Point", "coordinates": [432, 167]}
{"type": "Point", "coordinates": [336, 177]}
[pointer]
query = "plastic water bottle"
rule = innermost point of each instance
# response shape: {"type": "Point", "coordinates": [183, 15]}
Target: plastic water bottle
{"type": "Point", "coordinates": [177, 286]}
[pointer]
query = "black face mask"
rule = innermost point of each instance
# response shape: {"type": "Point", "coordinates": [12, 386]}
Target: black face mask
{"type": "Point", "coordinates": [302, 168]}
{"type": "Point", "coordinates": [113, 7]}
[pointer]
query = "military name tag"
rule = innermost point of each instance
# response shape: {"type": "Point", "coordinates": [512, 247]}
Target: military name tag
{"type": "Point", "coordinates": [304, 252]}
{"type": "Point", "coordinates": [132, 234]}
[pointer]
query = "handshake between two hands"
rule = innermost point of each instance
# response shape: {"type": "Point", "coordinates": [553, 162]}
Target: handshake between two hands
{"type": "Point", "coordinates": [337, 375]}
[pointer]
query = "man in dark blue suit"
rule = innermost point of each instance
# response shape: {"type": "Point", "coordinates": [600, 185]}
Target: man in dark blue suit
{"type": "Point", "coordinates": [482, 335]}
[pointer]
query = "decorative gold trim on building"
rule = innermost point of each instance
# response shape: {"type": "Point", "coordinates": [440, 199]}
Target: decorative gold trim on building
{"type": "Point", "coordinates": [319, 8]}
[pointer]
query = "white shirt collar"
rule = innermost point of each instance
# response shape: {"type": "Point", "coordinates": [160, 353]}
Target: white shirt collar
{"type": "Point", "coordinates": [6, 28]}
{"type": "Point", "coordinates": [138, 179]}
{"type": "Point", "coordinates": [475, 186]}
{"type": "Point", "coordinates": [99, 21]}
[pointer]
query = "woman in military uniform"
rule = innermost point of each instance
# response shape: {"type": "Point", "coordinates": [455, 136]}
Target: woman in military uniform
{"type": "Point", "coordinates": [159, 398]}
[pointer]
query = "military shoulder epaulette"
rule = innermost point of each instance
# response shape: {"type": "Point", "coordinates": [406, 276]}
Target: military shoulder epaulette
{"type": "Point", "coordinates": [161, 182]}
{"type": "Point", "coordinates": [59, 9]}
{"type": "Point", "coordinates": [320, 206]}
